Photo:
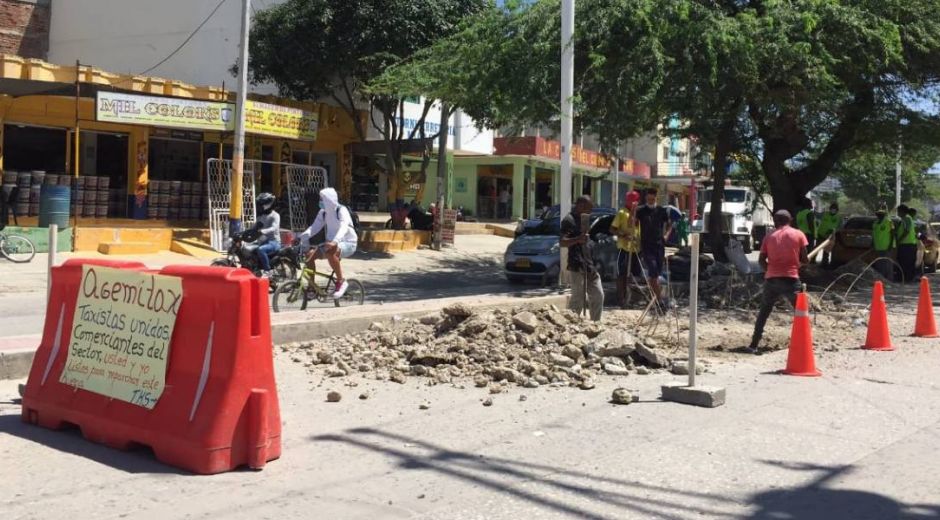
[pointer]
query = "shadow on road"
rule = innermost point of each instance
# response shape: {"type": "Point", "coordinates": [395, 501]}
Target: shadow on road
{"type": "Point", "coordinates": [71, 441]}
{"type": "Point", "coordinates": [543, 486]}
{"type": "Point", "coordinates": [815, 501]}
{"type": "Point", "coordinates": [497, 474]}
{"type": "Point", "coordinates": [449, 277]}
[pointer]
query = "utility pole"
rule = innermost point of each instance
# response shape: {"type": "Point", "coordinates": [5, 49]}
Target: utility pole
{"type": "Point", "coordinates": [238, 157]}
{"type": "Point", "coordinates": [897, 177]}
{"type": "Point", "coordinates": [567, 116]}
{"type": "Point", "coordinates": [441, 176]}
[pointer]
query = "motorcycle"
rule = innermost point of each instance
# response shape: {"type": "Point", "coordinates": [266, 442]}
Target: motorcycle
{"type": "Point", "coordinates": [243, 252]}
{"type": "Point", "coordinates": [418, 218]}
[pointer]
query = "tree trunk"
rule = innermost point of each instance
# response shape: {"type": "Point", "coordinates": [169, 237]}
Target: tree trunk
{"type": "Point", "coordinates": [715, 223]}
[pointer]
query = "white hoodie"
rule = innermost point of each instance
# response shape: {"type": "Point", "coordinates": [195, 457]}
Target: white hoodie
{"type": "Point", "coordinates": [339, 224]}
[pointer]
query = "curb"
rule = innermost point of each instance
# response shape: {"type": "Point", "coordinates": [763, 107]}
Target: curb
{"type": "Point", "coordinates": [16, 363]}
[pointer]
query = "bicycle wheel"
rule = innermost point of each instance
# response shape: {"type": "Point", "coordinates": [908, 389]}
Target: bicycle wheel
{"type": "Point", "coordinates": [17, 249]}
{"type": "Point", "coordinates": [282, 271]}
{"type": "Point", "coordinates": [290, 296]}
{"type": "Point", "coordinates": [355, 294]}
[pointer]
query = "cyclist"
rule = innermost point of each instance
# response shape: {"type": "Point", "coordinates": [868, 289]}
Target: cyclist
{"type": "Point", "coordinates": [340, 237]}
{"type": "Point", "coordinates": [269, 224]}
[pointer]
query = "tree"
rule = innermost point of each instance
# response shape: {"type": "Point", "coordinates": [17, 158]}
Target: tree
{"type": "Point", "coordinates": [332, 49]}
{"type": "Point", "coordinates": [867, 175]}
{"type": "Point", "coordinates": [796, 84]}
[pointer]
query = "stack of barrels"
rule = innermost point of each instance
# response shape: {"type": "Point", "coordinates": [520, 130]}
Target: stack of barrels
{"type": "Point", "coordinates": [177, 200]}
{"type": "Point", "coordinates": [29, 191]}
{"type": "Point", "coordinates": [92, 197]}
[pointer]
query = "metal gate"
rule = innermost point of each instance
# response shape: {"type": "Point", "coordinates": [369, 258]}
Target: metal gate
{"type": "Point", "coordinates": [219, 176]}
{"type": "Point", "coordinates": [303, 188]}
{"type": "Point", "coordinates": [303, 185]}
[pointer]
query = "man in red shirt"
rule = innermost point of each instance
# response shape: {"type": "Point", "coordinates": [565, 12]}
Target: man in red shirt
{"type": "Point", "coordinates": [781, 255]}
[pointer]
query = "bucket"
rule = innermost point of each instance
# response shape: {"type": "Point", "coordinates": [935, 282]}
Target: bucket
{"type": "Point", "coordinates": [152, 212]}
{"type": "Point", "coordinates": [176, 187]}
{"type": "Point", "coordinates": [66, 180]}
{"type": "Point", "coordinates": [101, 211]}
{"type": "Point", "coordinates": [22, 209]}
{"type": "Point", "coordinates": [104, 183]}
{"type": "Point", "coordinates": [23, 195]}
{"type": "Point", "coordinates": [34, 192]}
{"type": "Point", "coordinates": [54, 203]}
{"type": "Point", "coordinates": [103, 197]}
{"type": "Point", "coordinates": [77, 210]}
{"type": "Point", "coordinates": [91, 183]}
{"type": "Point", "coordinates": [37, 177]}
{"type": "Point", "coordinates": [33, 209]}
{"type": "Point", "coordinates": [161, 212]}
{"type": "Point", "coordinates": [51, 179]}
{"type": "Point", "coordinates": [88, 210]}
{"type": "Point", "coordinates": [9, 178]}
{"type": "Point", "coordinates": [91, 196]}
{"type": "Point", "coordinates": [23, 179]}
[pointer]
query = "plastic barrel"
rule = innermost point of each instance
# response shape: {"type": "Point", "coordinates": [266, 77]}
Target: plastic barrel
{"type": "Point", "coordinates": [54, 203]}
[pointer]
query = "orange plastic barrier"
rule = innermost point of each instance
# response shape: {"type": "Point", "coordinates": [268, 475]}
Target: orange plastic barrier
{"type": "Point", "coordinates": [801, 361]}
{"type": "Point", "coordinates": [218, 409]}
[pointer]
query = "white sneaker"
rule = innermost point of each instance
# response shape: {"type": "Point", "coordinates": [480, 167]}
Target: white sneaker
{"type": "Point", "coordinates": [266, 274]}
{"type": "Point", "coordinates": [341, 290]}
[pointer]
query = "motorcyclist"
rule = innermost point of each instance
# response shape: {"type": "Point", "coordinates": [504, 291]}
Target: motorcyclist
{"type": "Point", "coordinates": [269, 225]}
{"type": "Point", "coordinates": [341, 239]}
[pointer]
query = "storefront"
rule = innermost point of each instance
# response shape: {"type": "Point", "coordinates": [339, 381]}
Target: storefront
{"type": "Point", "coordinates": [135, 147]}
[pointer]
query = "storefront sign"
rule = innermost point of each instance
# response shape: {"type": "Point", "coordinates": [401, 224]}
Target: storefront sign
{"type": "Point", "coordinates": [192, 114]}
{"type": "Point", "coordinates": [541, 147]}
{"type": "Point", "coordinates": [120, 339]}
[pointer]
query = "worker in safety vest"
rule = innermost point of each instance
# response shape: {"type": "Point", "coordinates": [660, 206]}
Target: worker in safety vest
{"type": "Point", "coordinates": [827, 226]}
{"type": "Point", "coordinates": [906, 236]}
{"type": "Point", "coordinates": [882, 233]}
{"type": "Point", "coordinates": [806, 222]}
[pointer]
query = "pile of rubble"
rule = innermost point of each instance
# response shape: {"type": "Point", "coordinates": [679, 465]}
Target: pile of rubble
{"type": "Point", "coordinates": [528, 348]}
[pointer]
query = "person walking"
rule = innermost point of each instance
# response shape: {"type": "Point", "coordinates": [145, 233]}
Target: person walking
{"type": "Point", "coordinates": [828, 225]}
{"type": "Point", "coordinates": [655, 227]}
{"type": "Point", "coordinates": [806, 222]}
{"type": "Point", "coordinates": [585, 279]}
{"type": "Point", "coordinates": [882, 234]}
{"type": "Point", "coordinates": [906, 236]}
{"type": "Point", "coordinates": [626, 229]}
{"type": "Point", "coordinates": [504, 198]}
{"type": "Point", "coordinates": [781, 255]}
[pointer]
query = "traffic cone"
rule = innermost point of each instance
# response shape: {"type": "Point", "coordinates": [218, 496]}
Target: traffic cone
{"type": "Point", "coordinates": [926, 325]}
{"type": "Point", "coordinates": [879, 337]}
{"type": "Point", "coordinates": [800, 360]}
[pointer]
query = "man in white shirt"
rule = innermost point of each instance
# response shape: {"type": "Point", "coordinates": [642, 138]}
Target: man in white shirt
{"type": "Point", "coordinates": [341, 239]}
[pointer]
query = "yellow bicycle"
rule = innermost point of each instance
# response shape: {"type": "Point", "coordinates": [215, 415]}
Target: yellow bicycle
{"type": "Point", "coordinates": [295, 295]}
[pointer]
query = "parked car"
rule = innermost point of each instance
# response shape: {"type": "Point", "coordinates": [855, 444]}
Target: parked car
{"type": "Point", "coordinates": [854, 240]}
{"type": "Point", "coordinates": [536, 253]}
{"type": "Point", "coordinates": [527, 224]}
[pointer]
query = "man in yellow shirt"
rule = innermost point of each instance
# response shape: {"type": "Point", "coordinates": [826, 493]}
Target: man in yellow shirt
{"type": "Point", "coordinates": [627, 230]}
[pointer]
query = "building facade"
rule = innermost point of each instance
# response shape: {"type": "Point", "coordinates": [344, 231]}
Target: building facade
{"type": "Point", "coordinates": [24, 28]}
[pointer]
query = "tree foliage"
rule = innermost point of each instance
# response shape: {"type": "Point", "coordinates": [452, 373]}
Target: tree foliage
{"type": "Point", "coordinates": [333, 49]}
{"type": "Point", "coordinates": [794, 83]}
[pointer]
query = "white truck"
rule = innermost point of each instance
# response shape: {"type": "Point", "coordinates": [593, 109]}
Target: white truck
{"type": "Point", "coordinates": [747, 217]}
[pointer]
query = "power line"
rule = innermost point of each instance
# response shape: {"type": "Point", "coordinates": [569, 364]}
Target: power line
{"type": "Point", "coordinates": [188, 38]}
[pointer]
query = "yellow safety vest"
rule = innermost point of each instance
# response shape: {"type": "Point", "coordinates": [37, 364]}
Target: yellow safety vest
{"type": "Point", "coordinates": [881, 234]}
{"type": "Point", "coordinates": [908, 234]}
{"type": "Point", "coordinates": [827, 225]}
{"type": "Point", "coordinates": [802, 220]}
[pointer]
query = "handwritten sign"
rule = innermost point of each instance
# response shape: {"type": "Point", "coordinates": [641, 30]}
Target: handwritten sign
{"type": "Point", "coordinates": [120, 339]}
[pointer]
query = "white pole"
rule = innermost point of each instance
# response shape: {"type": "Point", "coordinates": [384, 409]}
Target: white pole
{"type": "Point", "coordinates": [897, 177]}
{"type": "Point", "coordinates": [693, 306]}
{"type": "Point", "coordinates": [567, 113]}
{"type": "Point", "coordinates": [238, 155]}
{"type": "Point", "coordinates": [53, 249]}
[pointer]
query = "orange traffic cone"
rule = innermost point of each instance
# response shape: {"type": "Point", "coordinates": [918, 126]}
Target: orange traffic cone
{"type": "Point", "coordinates": [926, 325]}
{"type": "Point", "coordinates": [801, 361]}
{"type": "Point", "coordinates": [879, 337]}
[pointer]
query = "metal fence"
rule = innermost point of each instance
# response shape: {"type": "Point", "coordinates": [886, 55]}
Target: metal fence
{"type": "Point", "coordinates": [303, 187]}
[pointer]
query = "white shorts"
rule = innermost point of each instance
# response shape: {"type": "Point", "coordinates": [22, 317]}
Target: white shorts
{"type": "Point", "coordinates": [346, 249]}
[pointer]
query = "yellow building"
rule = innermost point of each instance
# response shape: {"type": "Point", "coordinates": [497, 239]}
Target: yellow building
{"type": "Point", "coordinates": [141, 144]}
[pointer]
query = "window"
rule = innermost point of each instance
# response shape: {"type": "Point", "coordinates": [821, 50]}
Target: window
{"type": "Point", "coordinates": [666, 152]}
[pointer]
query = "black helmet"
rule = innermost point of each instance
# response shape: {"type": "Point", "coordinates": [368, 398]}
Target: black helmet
{"type": "Point", "coordinates": [265, 203]}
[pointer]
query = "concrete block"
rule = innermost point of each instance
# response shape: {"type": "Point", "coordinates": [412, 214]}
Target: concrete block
{"type": "Point", "coordinates": [16, 364]}
{"type": "Point", "coordinates": [704, 396]}
{"type": "Point", "coordinates": [128, 248]}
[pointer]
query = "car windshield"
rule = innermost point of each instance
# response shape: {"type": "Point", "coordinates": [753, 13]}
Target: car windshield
{"type": "Point", "coordinates": [552, 225]}
{"type": "Point", "coordinates": [859, 223]}
{"type": "Point", "coordinates": [736, 196]}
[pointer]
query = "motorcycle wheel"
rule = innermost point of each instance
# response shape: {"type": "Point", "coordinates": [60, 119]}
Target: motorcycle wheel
{"type": "Point", "coordinates": [282, 271]}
